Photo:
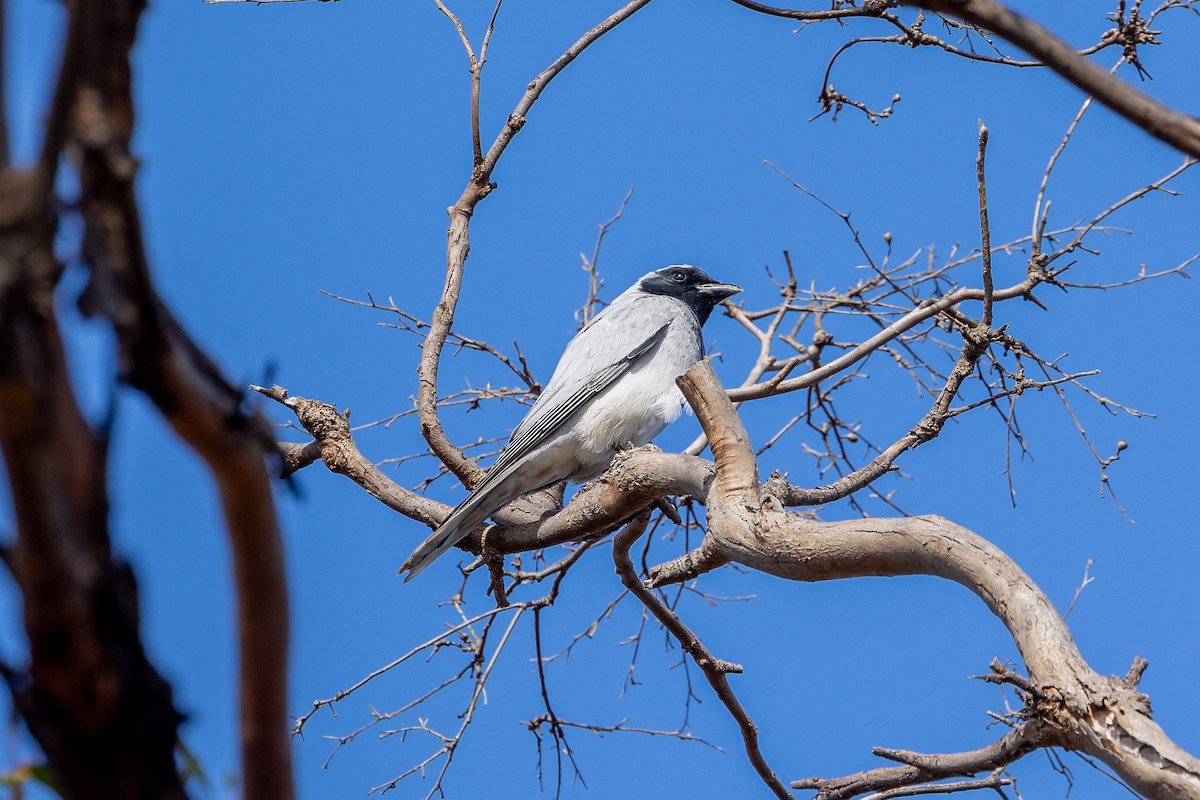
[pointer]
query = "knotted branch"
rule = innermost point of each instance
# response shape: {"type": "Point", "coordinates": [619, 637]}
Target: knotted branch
{"type": "Point", "coordinates": [1104, 717]}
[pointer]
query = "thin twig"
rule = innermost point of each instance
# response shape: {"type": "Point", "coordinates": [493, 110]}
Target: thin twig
{"type": "Point", "coordinates": [458, 245]}
{"type": "Point", "coordinates": [985, 234]}
{"type": "Point", "coordinates": [715, 670]}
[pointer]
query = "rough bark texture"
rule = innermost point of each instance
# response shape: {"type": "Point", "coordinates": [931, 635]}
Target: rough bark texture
{"type": "Point", "coordinates": [1104, 717]}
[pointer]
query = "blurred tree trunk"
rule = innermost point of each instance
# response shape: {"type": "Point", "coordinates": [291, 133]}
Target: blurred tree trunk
{"type": "Point", "coordinates": [101, 713]}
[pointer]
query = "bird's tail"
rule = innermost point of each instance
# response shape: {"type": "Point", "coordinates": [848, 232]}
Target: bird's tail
{"type": "Point", "coordinates": [461, 521]}
{"type": "Point", "coordinates": [498, 488]}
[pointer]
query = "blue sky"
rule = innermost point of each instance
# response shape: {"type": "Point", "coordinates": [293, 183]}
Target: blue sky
{"type": "Point", "coordinates": [293, 148]}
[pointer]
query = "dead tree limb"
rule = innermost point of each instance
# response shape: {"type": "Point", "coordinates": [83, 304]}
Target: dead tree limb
{"type": "Point", "coordinates": [1103, 717]}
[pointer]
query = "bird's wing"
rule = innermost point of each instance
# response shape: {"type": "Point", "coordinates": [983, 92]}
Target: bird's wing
{"type": "Point", "coordinates": [595, 358]}
{"type": "Point", "coordinates": [536, 429]}
{"type": "Point", "coordinates": [620, 334]}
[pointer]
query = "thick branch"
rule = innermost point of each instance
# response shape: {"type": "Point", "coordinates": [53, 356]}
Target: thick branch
{"type": "Point", "coordinates": [636, 479]}
{"type": "Point", "coordinates": [160, 359]}
{"type": "Point", "coordinates": [336, 448]}
{"type": "Point", "coordinates": [1179, 130]}
{"type": "Point", "coordinates": [1104, 717]}
{"type": "Point", "coordinates": [703, 390]}
{"type": "Point", "coordinates": [103, 716]}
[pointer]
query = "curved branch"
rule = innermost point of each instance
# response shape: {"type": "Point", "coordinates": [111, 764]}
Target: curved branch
{"type": "Point", "coordinates": [458, 247]}
{"type": "Point", "coordinates": [1177, 129]}
{"type": "Point", "coordinates": [636, 479]}
{"type": "Point", "coordinates": [1107, 718]}
{"type": "Point", "coordinates": [334, 445]}
{"type": "Point", "coordinates": [157, 357]}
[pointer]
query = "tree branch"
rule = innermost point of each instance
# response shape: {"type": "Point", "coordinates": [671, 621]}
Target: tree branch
{"type": "Point", "coordinates": [1179, 130]}
{"type": "Point", "coordinates": [458, 246]}
{"type": "Point", "coordinates": [336, 448]}
{"type": "Point", "coordinates": [636, 479]}
{"type": "Point", "coordinates": [1106, 718]}
{"type": "Point", "coordinates": [921, 770]}
{"type": "Point", "coordinates": [870, 8]}
{"type": "Point", "coordinates": [203, 408]}
{"type": "Point", "coordinates": [102, 715]}
{"type": "Point", "coordinates": [985, 233]}
{"type": "Point", "coordinates": [715, 670]}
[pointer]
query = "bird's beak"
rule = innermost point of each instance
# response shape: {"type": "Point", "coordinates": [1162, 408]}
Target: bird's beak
{"type": "Point", "coordinates": [718, 291]}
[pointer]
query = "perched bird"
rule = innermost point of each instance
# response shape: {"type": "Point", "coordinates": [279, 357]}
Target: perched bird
{"type": "Point", "coordinates": [613, 386]}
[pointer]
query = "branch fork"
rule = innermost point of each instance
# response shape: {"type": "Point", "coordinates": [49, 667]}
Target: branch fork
{"type": "Point", "coordinates": [1068, 704]}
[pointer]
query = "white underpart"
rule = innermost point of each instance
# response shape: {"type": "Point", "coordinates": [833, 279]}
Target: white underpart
{"type": "Point", "coordinates": [634, 411]}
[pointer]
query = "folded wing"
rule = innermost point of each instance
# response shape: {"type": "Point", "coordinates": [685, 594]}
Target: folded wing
{"type": "Point", "coordinates": [608, 347]}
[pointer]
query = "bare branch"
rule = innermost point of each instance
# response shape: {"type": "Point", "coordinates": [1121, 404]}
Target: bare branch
{"type": "Point", "coordinates": [1087, 579]}
{"type": "Point", "coordinates": [621, 727]}
{"type": "Point", "coordinates": [1137, 194]}
{"type": "Point", "coordinates": [450, 743]}
{"type": "Point", "coordinates": [557, 727]}
{"type": "Point", "coordinates": [715, 670]}
{"type": "Point", "coordinates": [458, 245]}
{"type": "Point", "coordinates": [595, 284]}
{"type": "Point", "coordinates": [1160, 121]}
{"type": "Point", "coordinates": [871, 8]}
{"type": "Point", "coordinates": [1080, 704]}
{"type": "Point", "coordinates": [920, 770]}
{"type": "Point", "coordinates": [331, 434]}
{"type": "Point", "coordinates": [985, 234]}
{"type": "Point", "coordinates": [1040, 211]}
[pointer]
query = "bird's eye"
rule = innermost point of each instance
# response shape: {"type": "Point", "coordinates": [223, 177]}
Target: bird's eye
{"type": "Point", "coordinates": [679, 276]}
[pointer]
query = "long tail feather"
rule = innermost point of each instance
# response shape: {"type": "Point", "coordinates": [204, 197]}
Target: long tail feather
{"type": "Point", "coordinates": [462, 520]}
{"type": "Point", "coordinates": [438, 542]}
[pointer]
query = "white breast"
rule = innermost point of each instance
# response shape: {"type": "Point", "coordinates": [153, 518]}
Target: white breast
{"type": "Point", "coordinates": [645, 400]}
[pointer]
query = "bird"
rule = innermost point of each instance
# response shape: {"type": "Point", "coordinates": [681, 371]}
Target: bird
{"type": "Point", "coordinates": [614, 387]}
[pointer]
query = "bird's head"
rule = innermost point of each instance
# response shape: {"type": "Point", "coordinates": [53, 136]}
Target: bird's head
{"type": "Point", "coordinates": [693, 286]}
